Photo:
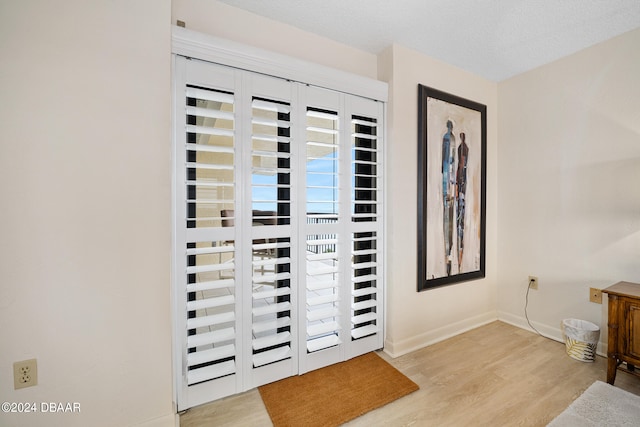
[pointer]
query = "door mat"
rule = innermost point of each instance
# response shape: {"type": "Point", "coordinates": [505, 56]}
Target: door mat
{"type": "Point", "coordinates": [336, 394]}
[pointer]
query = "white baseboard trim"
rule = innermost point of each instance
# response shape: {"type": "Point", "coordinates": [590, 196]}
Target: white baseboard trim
{"type": "Point", "coordinates": [169, 420]}
{"type": "Point", "coordinates": [544, 330]}
{"type": "Point", "coordinates": [396, 349]}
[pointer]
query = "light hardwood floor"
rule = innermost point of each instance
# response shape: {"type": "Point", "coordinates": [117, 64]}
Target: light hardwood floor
{"type": "Point", "coordinates": [495, 375]}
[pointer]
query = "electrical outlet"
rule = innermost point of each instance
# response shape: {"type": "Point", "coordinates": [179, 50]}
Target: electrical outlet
{"type": "Point", "coordinates": [533, 282]}
{"type": "Point", "coordinates": [595, 295]}
{"type": "Point", "coordinates": [25, 373]}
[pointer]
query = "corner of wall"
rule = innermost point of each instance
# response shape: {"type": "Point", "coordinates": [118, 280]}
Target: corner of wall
{"type": "Point", "coordinates": [396, 349]}
{"type": "Point", "coordinates": [385, 64]}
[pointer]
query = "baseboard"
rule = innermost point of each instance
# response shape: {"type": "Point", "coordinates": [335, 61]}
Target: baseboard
{"type": "Point", "coordinates": [544, 330]}
{"type": "Point", "coordinates": [169, 420]}
{"type": "Point", "coordinates": [396, 349]}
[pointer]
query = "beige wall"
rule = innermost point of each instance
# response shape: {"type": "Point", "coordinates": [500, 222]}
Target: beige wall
{"type": "Point", "coordinates": [417, 319]}
{"type": "Point", "coordinates": [85, 185]}
{"type": "Point", "coordinates": [569, 193]}
{"type": "Point", "coordinates": [221, 20]}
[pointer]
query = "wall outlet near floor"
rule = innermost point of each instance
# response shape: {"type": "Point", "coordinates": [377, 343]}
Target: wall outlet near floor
{"type": "Point", "coordinates": [25, 373]}
{"type": "Point", "coordinates": [595, 295]}
{"type": "Point", "coordinates": [533, 282]}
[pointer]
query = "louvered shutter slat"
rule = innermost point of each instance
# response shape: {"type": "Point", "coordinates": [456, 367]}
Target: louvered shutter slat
{"type": "Point", "coordinates": [211, 372]}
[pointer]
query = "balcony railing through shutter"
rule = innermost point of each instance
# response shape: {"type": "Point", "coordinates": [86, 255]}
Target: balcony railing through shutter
{"type": "Point", "coordinates": [322, 259]}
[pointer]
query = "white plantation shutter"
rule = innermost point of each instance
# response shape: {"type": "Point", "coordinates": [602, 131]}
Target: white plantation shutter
{"type": "Point", "coordinates": [366, 226]}
{"type": "Point", "coordinates": [272, 314]}
{"type": "Point", "coordinates": [278, 229]}
{"type": "Point", "coordinates": [322, 160]}
{"type": "Point", "coordinates": [207, 290]}
{"type": "Point", "coordinates": [210, 287]}
{"type": "Point", "coordinates": [366, 243]}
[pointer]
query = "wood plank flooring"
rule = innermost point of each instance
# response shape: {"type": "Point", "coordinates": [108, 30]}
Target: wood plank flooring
{"type": "Point", "coordinates": [495, 375]}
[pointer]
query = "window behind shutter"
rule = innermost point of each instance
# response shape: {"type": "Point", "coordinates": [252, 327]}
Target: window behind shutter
{"type": "Point", "coordinates": [278, 229]}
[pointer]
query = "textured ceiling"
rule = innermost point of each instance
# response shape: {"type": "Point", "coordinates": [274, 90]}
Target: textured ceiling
{"type": "Point", "coordinates": [495, 39]}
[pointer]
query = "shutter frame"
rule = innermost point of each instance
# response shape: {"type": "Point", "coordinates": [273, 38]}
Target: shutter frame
{"type": "Point", "coordinates": [338, 344]}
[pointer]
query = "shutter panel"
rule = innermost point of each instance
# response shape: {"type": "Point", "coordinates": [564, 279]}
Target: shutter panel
{"type": "Point", "coordinates": [211, 284]}
{"type": "Point", "coordinates": [207, 295]}
{"type": "Point", "coordinates": [272, 311]}
{"type": "Point", "coordinates": [270, 319]}
{"type": "Point", "coordinates": [366, 299]}
{"type": "Point", "coordinates": [322, 267]}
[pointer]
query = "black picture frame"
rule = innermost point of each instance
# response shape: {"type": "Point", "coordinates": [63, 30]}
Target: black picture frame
{"type": "Point", "coordinates": [452, 158]}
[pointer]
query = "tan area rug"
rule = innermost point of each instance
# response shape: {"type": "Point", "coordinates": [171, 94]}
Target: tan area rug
{"type": "Point", "coordinates": [336, 394]}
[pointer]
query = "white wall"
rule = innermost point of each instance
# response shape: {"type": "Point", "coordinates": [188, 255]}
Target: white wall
{"type": "Point", "coordinates": [418, 319]}
{"type": "Point", "coordinates": [569, 183]}
{"type": "Point", "coordinates": [85, 185]}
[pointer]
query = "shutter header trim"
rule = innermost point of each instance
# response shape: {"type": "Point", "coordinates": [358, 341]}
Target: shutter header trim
{"type": "Point", "coordinates": [206, 47]}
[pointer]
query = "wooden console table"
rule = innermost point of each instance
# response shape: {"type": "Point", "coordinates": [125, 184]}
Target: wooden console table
{"type": "Point", "coordinates": [624, 329]}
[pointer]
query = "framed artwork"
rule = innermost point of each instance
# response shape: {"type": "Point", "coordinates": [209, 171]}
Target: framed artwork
{"type": "Point", "coordinates": [452, 153]}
